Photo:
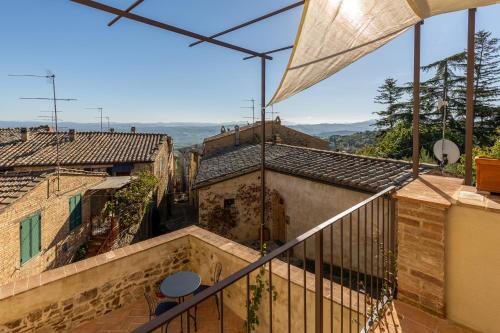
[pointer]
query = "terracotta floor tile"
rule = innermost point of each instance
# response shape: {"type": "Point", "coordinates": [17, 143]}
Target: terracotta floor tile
{"type": "Point", "coordinates": [404, 318]}
{"type": "Point", "coordinates": [131, 316]}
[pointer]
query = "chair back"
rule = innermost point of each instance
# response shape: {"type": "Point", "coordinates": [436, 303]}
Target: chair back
{"type": "Point", "coordinates": [217, 272]}
{"type": "Point", "coordinates": [152, 303]}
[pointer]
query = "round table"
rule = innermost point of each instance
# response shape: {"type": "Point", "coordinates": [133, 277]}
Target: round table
{"type": "Point", "coordinates": [179, 285]}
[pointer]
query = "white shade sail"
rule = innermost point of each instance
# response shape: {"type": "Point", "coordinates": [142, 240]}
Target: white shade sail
{"type": "Point", "coordinates": [335, 33]}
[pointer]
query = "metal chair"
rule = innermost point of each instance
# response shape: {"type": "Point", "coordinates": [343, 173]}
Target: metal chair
{"type": "Point", "coordinates": [216, 277]}
{"type": "Point", "coordinates": [157, 308]}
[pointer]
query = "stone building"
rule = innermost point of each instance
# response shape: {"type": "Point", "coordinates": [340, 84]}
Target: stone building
{"type": "Point", "coordinates": [305, 187]}
{"type": "Point", "coordinates": [44, 218]}
{"type": "Point", "coordinates": [251, 134]}
{"type": "Point", "coordinates": [117, 154]}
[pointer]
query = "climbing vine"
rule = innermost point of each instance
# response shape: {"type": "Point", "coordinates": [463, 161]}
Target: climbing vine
{"type": "Point", "coordinates": [129, 204]}
{"type": "Point", "coordinates": [257, 289]}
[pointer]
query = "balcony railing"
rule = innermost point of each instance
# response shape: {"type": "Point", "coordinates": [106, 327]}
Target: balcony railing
{"type": "Point", "coordinates": [353, 251]}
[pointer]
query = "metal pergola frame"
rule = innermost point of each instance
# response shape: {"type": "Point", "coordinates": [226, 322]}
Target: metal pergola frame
{"type": "Point", "coordinates": [469, 116]}
{"type": "Point", "coordinates": [127, 13]}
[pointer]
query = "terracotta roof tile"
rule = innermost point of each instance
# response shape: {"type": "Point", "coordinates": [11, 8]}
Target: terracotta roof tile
{"type": "Point", "coordinates": [358, 172]}
{"type": "Point", "coordinates": [13, 185]}
{"type": "Point", "coordinates": [86, 148]}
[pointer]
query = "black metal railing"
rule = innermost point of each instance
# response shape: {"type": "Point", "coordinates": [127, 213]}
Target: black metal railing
{"type": "Point", "coordinates": [358, 261]}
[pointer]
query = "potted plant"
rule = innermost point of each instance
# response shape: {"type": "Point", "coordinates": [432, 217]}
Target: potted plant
{"type": "Point", "coordinates": [488, 174]}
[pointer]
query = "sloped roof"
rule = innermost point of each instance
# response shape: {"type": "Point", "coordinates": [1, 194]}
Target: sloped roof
{"type": "Point", "coordinates": [86, 148]}
{"type": "Point", "coordinates": [13, 185]}
{"type": "Point", "coordinates": [11, 135]}
{"type": "Point", "coordinates": [354, 171]}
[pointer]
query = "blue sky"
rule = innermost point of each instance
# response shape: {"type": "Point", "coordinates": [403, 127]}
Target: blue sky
{"type": "Point", "coordinates": [142, 74]}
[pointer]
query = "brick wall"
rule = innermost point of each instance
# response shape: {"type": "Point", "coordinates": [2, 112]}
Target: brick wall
{"type": "Point", "coordinates": [58, 242]}
{"type": "Point", "coordinates": [421, 255]}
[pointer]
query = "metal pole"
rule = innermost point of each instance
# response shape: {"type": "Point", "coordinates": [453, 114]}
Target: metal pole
{"type": "Point", "coordinates": [469, 117]}
{"type": "Point", "coordinates": [100, 110]}
{"type": "Point", "coordinates": [416, 99]}
{"type": "Point", "coordinates": [57, 129]}
{"type": "Point", "coordinates": [263, 151]}
{"type": "Point", "coordinates": [318, 281]}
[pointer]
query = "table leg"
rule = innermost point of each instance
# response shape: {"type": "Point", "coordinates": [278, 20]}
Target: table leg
{"type": "Point", "coordinates": [181, 299]}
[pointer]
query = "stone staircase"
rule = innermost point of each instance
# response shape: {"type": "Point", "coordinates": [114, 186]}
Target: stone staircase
{"type": "Point", "coordinates": [94, 245]}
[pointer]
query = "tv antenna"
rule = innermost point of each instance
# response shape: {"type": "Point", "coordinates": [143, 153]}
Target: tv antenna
{"type": "Point", "coordinates": [51, 117]}
{"type": "Point", "coordinates": [107, 118]}
{"type": "Point", "coordinates": [51, 77]}
{"type": "Point", "coordinates": [250, 107]}
{"type": "Point", "coordinates": [272, 112]}
{"type": "Point", "coordinates": [100, 110]}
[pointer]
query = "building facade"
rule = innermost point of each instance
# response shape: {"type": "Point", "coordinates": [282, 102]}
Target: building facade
{"type": "Point", "coordinates": [117, 154]}
{"type": "Point", "coordinates": [304, 187]}
{"type": "Point", "coordinates": [44, 218]}
{"type": "Point", "coordinates": [251, 134]}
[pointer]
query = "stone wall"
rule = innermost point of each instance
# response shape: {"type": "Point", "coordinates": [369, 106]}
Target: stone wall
{"type": "Point", "coordinates": [64, 298]}
{"type": "Point", "coordinates": [69, 296]}
{"type": "Point", "coordinates": [59, 243]}
{"type": "Point", "coordinates": [252, 134]}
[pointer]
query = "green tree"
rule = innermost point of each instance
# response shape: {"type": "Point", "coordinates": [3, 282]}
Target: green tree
{"type": "Point", "coordinates": [389, 94]}
{"type": "Point", "coordinates": [445, 84]}
{"type": "Point", "coordinates": [486, 88]}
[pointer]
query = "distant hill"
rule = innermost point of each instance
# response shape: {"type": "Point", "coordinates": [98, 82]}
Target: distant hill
{"type": "Point", "coordinates": [190, 133]}
{"type": "Point", "coordinates": [326, 130]}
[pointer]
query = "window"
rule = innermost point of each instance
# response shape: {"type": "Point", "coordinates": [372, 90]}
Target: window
{"type": "Point", "coordinates": [75, 211]}
{"type": "Point", "coordinates": [229, 203]}
{"type": "Point", "coordinates": [30, 237]}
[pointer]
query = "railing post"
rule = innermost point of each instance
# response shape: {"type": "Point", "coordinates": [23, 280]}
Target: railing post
{"type": "Point", "coordinates": [318, 273]}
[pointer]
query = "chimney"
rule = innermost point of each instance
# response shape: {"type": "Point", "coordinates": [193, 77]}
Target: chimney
{"type": "Point", "coordinates": [111, 130]}
{"type": "Point", "coordinates": [132, 129]}
{"type": "Point", "coordinates": [71, 134]}
{"type": "Point", "coordinates": [236, 135]}
{"type": "Point", "coordinates": [25, 134]}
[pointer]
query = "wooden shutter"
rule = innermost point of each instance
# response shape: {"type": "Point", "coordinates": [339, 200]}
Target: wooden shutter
{"type": "Point", "coordinates": [75, 211]}
{"type": "Point", "coordinates": [36, 235]}
{"type": "Point", "coordinates": [78, 209]}
{"type": "Point", "coordinates": [25, 240]}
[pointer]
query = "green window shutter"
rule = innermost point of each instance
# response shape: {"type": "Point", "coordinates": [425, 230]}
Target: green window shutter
{"type": "Point", "coordinates": [71, 212]}
{"type": "Point", "coordinates": [75, 211]}
{"type": "Point", "coordinates": [25, 240]}
{"type": "Point", "coordinates": [36, 233]}
{"type": "Point", "coordinates": [78, 209]}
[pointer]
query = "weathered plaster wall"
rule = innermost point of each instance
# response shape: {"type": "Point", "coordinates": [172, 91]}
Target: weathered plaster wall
{"type": "Point", "coordinates": [307, 204]}
{"type": "Point", "coordinates": [473, 267]}
{"type": "Point", "coordinates": [207, 249]}
{"type": "Point", "coordinates": [241, 223]}
{"type": "Point", "coordinates": [58, 242]}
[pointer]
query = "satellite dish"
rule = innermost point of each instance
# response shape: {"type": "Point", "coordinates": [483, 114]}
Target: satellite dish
{"type": "Point", "coordinates": [446, 151]}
